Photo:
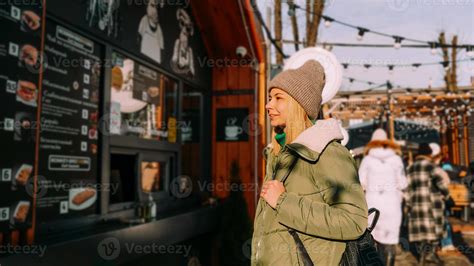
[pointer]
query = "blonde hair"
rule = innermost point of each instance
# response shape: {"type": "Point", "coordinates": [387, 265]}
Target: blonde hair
{"type": "Point", "coordinates": [297, 121]}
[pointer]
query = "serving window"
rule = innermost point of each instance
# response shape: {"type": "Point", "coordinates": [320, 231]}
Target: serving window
{"type": "Point", "coordinates": [143, 101]}
{"type": "Point", "coordinates": [191, 135]}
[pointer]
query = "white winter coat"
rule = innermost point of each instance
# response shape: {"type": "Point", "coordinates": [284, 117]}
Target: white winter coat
{"type": "Point", "coordinates": [382, 175]}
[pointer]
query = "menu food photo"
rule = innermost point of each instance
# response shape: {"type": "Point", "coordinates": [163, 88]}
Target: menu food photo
{"type": "Point", "coordinates": [20, 54]}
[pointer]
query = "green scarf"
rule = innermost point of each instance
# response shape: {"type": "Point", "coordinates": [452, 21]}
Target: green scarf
{"type": "Point", "coordinates": [281, 137]}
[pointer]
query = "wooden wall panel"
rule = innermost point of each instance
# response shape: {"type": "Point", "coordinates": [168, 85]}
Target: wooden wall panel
{"type": "Point", "coordinates": [219, 149]}
{"type": "Point", "coordinates": [226, 153]}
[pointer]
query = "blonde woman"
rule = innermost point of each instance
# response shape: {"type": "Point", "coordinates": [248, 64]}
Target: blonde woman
{"type": "Point", "coordinates": [321, 199]}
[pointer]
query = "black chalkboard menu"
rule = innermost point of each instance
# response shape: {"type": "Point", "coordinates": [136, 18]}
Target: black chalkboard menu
{"type": "Point", "coordinates": [20, 57]}
{"type": "Point", "coordinates": [67, 181]}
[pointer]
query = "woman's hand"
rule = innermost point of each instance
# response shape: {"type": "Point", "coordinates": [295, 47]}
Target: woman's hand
{"type": "Point", "coordinates": [271, 191]}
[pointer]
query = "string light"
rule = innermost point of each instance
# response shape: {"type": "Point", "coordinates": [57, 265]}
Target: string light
{"type": "Point", "coordinates": [445, 65]}
{"type": "Point", "coordinates": [433, 47]}
{"type": "Point", "coordinates": [366, 66]}
{"type": "Point", "coordinates": [415, 66]}
{"type": "Point", "coordinates": [291, 9]}
{"type": "Point", "coordinates": [470, 51]}
{"type": "Point", "coordinates": [390, 69]}
{"type": "Point", "coordinates": [398, 42]}
{"type": "Point", "coordinates": [327, 21]}
{"type": "Point", "coordinates": [361, 33]}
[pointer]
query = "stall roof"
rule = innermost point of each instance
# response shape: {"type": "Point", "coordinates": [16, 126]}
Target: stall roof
{"type": "Point", "coordinates": [223, 26]}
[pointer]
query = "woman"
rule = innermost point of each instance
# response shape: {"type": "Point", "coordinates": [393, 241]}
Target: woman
{"type": "Point", "coordinates": [322, 199]}
{"type": "Point", "coordinates": [424, 199]}
{"type": "Point", "coordinates": [436, 157]}
{"type": "Point", "coordinates": [382, 176]}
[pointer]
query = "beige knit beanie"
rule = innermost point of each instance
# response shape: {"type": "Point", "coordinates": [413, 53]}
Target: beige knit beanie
{"type": "Point", "coordinates": [304, 84]}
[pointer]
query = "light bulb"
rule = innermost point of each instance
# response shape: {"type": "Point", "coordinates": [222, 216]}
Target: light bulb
{"type": "Point", "coordinates": [433, 47]}
{"type": "Point", "coordinates": [470, 51]}
{"type": "Point", "coordinates": [361, 33]}
{"type": "Point", "coordinates": [390, 69]}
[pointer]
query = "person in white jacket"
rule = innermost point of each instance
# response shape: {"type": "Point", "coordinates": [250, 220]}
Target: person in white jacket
{"type": "Point", "coordinates": [382, 176]}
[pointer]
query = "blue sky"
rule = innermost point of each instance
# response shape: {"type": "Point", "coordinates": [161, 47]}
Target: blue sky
{"type": "Point", "coordinates": [417, 19]}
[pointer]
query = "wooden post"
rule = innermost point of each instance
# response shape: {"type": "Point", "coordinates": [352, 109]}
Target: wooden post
{"type": "Point", "coordinates": [455, 143]}
{"type": "Point", "coordinates": [466, 139]}
{"type": "Point", "coordinates": [392, 123]}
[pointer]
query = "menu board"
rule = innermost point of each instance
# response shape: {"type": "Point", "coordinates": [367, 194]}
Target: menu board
{"type": "Point", "coordinates": [69, 118]}
{"type": "Point", "coordinates": [20, 46]}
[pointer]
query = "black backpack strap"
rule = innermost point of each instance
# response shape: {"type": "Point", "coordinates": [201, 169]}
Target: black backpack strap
{"type": "Point", "coordinates": [376, 218]}
{"type": "Point", "coordinates": [283, 179]}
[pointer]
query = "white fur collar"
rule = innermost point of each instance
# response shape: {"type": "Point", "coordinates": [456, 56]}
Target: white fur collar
{"type": "Point", "coordinates": [320, 135]}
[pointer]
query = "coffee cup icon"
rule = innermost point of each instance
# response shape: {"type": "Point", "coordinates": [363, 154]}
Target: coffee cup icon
{"type": "Point", "coordinates": [187, 133]}
{"type": "Point", "coordinates": [231, 132]}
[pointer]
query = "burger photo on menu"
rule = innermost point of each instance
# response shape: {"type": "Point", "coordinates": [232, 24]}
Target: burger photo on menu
{"type": "Point", "coordinates": [82, 198]}
{"type": "Point", "coordinates": [22, 175]}
{"type": "Point", "coordinates": [20, 213]}
{"type": "Point", "coordinates": [29, 55]}
{"type": "Point", "coordinates": [30, 21]}
{"type": "Point", "coordinates": [27, 93]}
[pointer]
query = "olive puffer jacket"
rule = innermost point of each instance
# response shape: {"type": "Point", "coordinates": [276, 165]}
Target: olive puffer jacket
{"type": "Point", "coordinates": [324, 201]}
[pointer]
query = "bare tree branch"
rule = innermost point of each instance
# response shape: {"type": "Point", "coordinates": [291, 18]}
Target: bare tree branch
{"type": "Point", "coordinates": [318, 7]}
{"type": "Point", "coordinates": [278, 30]}
{"type": "Point", "coordinates": [294, 25]}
